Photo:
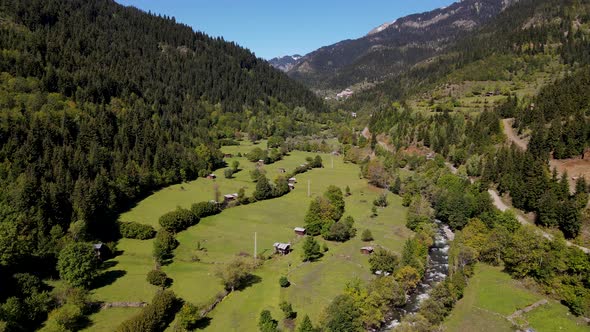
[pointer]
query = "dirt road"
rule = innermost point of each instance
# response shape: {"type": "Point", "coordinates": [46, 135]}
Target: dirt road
{"type": "Point", "coordinates": [500, 205]}
{"type": "Point", "coordinates": [512, 135]}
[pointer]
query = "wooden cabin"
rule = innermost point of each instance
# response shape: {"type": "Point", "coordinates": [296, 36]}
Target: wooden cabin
{"type": "Point", "coordinates": [299, 231]}
{"type": "Point", "coordinates": [230, 197]}
{"type": "Point", "coordinates": [282, 248]}
{"type": "Point", "coordinates": [367, 250]}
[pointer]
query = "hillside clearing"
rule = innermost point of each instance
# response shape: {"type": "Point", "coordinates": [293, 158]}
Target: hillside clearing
{"type": "Point", "coordinates": [221, 237]}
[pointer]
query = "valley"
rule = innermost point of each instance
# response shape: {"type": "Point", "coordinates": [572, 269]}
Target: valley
{"type": "Point", "coordinates": [231, 233]}
{"type": "Point", "coordinates": [429, 176]}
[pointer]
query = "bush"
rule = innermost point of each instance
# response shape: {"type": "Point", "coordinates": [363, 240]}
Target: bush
{"type": "Point", "coordinates": [367, 235]}
{"type": "Point", "coordinates": [68, 317]}
{"type": "Point", "coordinates": [284, 282]}
{"type": "Point", "coordinates": [287, 309]}
{"type": "Point", "coordinates": [383, 260]}
{"type": "Point", "coordinates": [381, 201]}
{"type": "Point", "coordinates": [228, 173]}
{"type": "Point", "coordinates": [188, 317]}
{"type": "Point", "coordinates": [158, 278]}
{"type": "Point", "coordinates": [133, 230]}
{"type": "Point", "coordinates": [164, 244]}
{"type": "Point", "coordinates": [154, 317]}
{"type": "Point", "coordinates": [266, 323]}
{"type": "Point", "coordinates": [205, 209]}
{"type": "Point", "coordinates": [341, 231]}
{"type": "Point", "coordinates": [179, 220]}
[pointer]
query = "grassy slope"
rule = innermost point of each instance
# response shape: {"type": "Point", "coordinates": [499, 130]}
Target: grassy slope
{"type": "Point", "coordinates": [231, 232]}
{"type": "Point", "coordinates": [492, 295]}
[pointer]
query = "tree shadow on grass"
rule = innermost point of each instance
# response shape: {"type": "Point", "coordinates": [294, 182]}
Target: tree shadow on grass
{"type": "Point", "coordinates": [108, 264]}
{"type": "Point", "coordinates": [201, 324]}
{"type": "Point", "coordinates": [107, 278]}
{"type": "Point", "coordinates": [249, 282]}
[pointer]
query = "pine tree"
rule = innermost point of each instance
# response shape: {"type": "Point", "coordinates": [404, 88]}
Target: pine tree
{"type": "Point", "coordinates": [306, 325]}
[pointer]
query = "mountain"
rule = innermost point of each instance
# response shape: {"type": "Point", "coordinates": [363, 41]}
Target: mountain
{"type": "Point", "coordinates": [285, 63]}
{"type": "Point", "coordinates": [101, 104]}
{"type": "Point", "coordinates": [393, 47]}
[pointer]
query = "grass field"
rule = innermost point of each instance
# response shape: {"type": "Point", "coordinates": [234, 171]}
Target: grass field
{"type": "Point", "coordinates": [492, 295]}
{"type": "Point", "coordinates": [231, 232]}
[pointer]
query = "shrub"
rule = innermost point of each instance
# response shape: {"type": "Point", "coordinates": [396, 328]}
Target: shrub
{"type": "Point", "coordinates": [189, 316]}
{"type": "Point", "coordinates": [68, 317]}
{"type": "Point", "coordinates": [367, 235]}
{"type": "Point", "coordinates": [228, 173]}
{"type": "Point", "coordinates": [381, 201]}
{"type": "Point", "coordinates": [341, 231]}
{"type": "Point", "coordinates": [154, 317]}
{"type": "Point", "coordinates": [178, 220]}
{"type": "Point", "coordinates": [287, 309]}
{"type": "Point", "coordinates": [284, 282]}
{"type": "Point", "coordinates": [205, 209]}
{"type": "Point", "coordinates": [133, 230]}
{"type": "Point", "coordinates": [266, 323]}
{"type": "Point", "coordinates": [158, 278]}
{"type": "Point", "coordinates": [163, 245]}
{"type": "Point", "coordinates": [383, 260]}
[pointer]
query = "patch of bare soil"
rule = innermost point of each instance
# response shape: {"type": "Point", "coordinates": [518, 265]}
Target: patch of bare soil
{"type": "Point", "coordinates": [575, 168]}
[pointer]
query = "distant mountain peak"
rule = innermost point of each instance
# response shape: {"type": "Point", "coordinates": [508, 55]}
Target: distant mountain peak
{"type": "Point", "coordinates": [392, 46]}
{"type": "Point", "coordinates": [285, 62]}
{"type": "Point", "coordinates": [381, 28]}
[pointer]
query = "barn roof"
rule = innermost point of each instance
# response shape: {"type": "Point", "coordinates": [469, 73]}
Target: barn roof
{"type": "Point", "coordinates": [282, 246]}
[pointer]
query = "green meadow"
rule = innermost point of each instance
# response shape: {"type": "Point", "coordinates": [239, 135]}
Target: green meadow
{"type": "Point", "coordinates": [216, 240]}
{"type": "Point", "coordinates": [493, 295]}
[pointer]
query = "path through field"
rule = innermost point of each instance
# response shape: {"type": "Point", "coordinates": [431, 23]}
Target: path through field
{"type": "Point", "coordinates": [512, 135]}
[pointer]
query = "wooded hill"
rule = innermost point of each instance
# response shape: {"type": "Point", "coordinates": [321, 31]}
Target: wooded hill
{"type": "Point", "coordinates": [519, 42]}
{"type": "Point", "coordinates": [102, 104]}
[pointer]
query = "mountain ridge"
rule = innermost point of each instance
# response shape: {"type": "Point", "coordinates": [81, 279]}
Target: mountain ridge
{"type": "Point", "coordinates": [392, 47]}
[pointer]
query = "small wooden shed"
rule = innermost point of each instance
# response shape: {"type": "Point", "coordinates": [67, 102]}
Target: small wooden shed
{"type": "Point", "coordinates": [230, 197]}
{"type": "Point", "coordinates": [282, 248]}
{"type": "Point", "coordinates": [367, 250]}
{"type": "Point", "coordinates": [299, 231]}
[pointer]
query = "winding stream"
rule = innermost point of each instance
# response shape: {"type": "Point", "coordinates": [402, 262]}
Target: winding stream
{"type": "Point", "coordinates": [436, 271]}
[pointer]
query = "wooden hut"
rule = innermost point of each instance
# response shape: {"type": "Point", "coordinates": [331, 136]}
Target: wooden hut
{"type": "Point", "coordinates": [299, 231]}
{"type": "Point", "coordinates": [282, 248]}
{"type": "Point", "coordinates": [367, 250]}
{"type": "Point", "coordinates": [230, 197]}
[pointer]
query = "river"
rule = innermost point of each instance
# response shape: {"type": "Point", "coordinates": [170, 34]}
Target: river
{"type": "Point", "coordinates": [436, 271]}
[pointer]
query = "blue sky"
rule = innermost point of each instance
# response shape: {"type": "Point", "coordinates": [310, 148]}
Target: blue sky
{"type": "Point", "coordinates": [276, 27]}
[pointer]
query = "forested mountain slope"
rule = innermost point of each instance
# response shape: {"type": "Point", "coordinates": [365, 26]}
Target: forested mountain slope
{"type": "Point", "coordinates": [99, 104]}
{"type": "Point", "coordinates": [389, 51]}
{"type": "Point", "coordinates": [529, 38]}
